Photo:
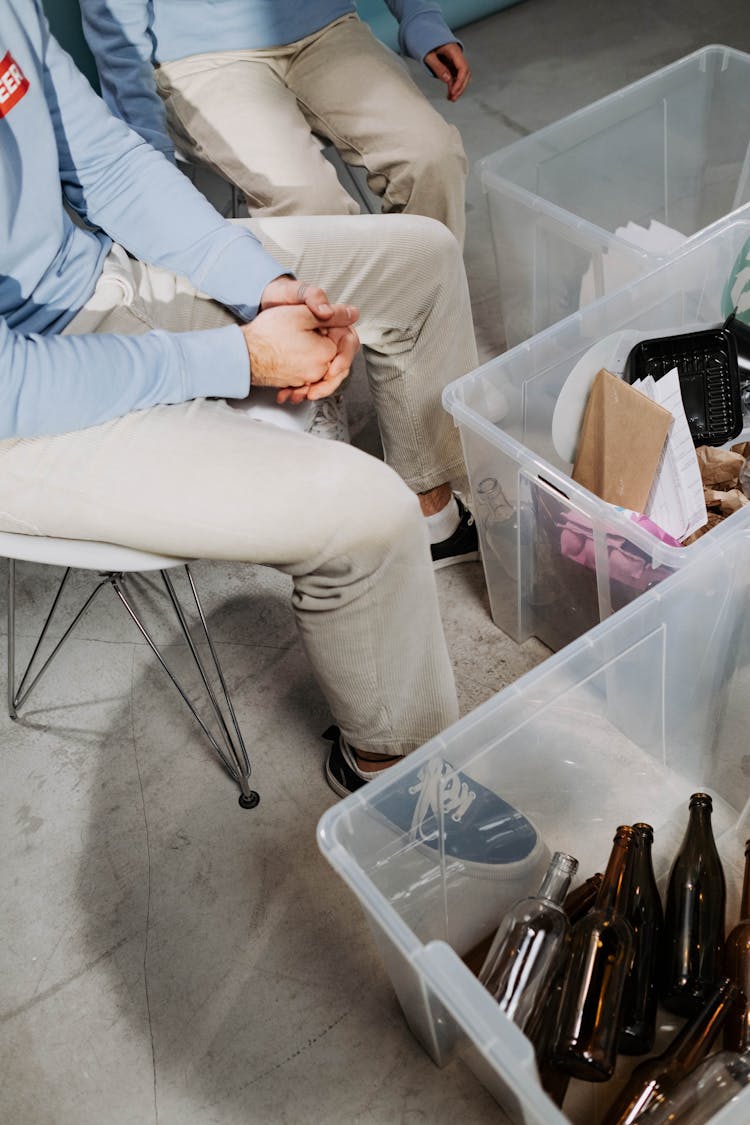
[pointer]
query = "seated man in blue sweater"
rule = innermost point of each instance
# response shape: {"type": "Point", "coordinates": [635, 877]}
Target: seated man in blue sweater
{"type": "Point", "coordinates": [126, 337]}
{"type": "Point", "coordinates": [249, 86]}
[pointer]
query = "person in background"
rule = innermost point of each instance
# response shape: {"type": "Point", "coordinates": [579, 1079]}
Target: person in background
{"type": "Point", "coordinates": [251, 87]}
{"type": "Point", "coordinates": [133, 317]}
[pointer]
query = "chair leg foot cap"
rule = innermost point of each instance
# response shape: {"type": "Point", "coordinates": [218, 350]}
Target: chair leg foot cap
{"type": "Point", "coordinates": [249, 800]}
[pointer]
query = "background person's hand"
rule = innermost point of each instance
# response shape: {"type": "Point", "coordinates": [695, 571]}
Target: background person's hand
{"type": "Point", "coordinates": [448, 63]}
{"type": "Point", "coordinates": [290, 349]}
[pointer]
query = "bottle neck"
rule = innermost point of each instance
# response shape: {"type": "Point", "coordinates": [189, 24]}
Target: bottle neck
{"type": "Point", "coordinates": [613, 892]}
{"type": "Point", "coordinates": [642, 859]}
{"type": "Point", "coordinates": [694, 1040]}
{"type": "Point", "coordinates": [745, 903]}
{"type": "Point", "coordinates": [580, 901]}
{"type": "Point", "coordinates": [699, 824]}
{"type": "Point", "coordinates": [557, 880]}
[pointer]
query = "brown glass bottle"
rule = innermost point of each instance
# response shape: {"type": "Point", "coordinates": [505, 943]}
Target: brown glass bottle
{"type": "Point", "coordinates": [737, 966]}
{"type": "Point", "coordinates": [582, 898]}
{"type": "Point", "coordinates": [601, 955]}
{"type": "Point", "coordinates": [644, 912]}
{"type": "Point", "coordinates": [653, 1078]}
{"type": "Point", "coordinates": [693, 940]}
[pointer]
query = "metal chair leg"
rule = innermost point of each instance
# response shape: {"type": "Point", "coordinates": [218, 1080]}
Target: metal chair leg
{"type": "Point", "coordinates": [232, 753]}
{"type": "Point", "coordinates": [16, 695]}
{"type": "Point", "coordinates": [230, 746]}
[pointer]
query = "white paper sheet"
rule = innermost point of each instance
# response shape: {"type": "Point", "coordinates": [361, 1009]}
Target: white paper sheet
{"type": "Point", "coordinates": [676, 500]}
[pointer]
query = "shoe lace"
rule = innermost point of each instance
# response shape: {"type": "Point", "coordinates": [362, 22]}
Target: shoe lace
{"type": "Point", "coordinates": [330, 418]}
{"type": "Point", "coordinates": [438, 787]}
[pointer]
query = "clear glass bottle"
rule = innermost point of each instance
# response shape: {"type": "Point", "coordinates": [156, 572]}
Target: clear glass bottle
{"type": "Point", "coordinates": [644, 912]}
{"type": "Point", "coordinates": [530, 944]}
{"type": "Point", "coordinates": [577, 904]}
{"type": "Point", "coordinates": [695, 1100]}
{"type": "Point", "coordinates": [737, 966]}
{"type": "Point", "coordinates": [694, 916]}
{"type": "Point", "coordinates": [654, 1078]}
{"type": "Point", "coordinates": [601, 956]}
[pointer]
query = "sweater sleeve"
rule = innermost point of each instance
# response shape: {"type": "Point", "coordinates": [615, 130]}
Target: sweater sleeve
{"type": "Point", "coordinates": [118, 33]}
{"type": "Point", "coordinates": [54, 384]}
{"type": "Point", "coordinates": [114, 180]}
{"type": "Point", "coordinates": [421, 27]}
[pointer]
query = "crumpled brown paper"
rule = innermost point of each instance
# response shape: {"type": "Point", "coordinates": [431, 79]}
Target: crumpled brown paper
{"type": "Point", "coordinates": [720, 472]}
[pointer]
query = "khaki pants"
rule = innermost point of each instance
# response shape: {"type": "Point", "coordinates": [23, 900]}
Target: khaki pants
{"type": "Point", "coordinates": [257, 116]}
{"type": "Point", "coordinates": [203, 480]}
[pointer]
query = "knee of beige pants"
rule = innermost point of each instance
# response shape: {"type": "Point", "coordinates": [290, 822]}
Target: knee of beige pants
{"type": "Point", "coordinates": [427, 176]}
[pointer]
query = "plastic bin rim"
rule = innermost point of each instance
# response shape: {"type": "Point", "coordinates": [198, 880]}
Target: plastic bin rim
{"type": "Point", "coordinates": [739, 217]}
{"type": "Point", "coordinates": [596, 235]}
{"type": "Point", "coordinates": [614, 95]}
{"type": "Point", "coordinates": [617, 623]}
{"type": "Point", "coordinates": [598, 510]}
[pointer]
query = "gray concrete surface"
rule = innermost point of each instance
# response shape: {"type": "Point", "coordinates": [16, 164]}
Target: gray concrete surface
{"type": "Point", "coordinates": [165, 957]}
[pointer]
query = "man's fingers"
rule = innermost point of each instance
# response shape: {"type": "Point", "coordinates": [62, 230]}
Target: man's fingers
{"type": "Point", "coordinates": [341, 316]}
{"type": "Point", "coordinates": [315, 298]}
{"type": "Point", "coordinates": [461, 82]}
{"type": "Point", "coordinates": [326, 386]}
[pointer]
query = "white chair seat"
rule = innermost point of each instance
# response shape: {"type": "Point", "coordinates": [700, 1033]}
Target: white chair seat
{"type": "Point", "coordinates": [83, 554]}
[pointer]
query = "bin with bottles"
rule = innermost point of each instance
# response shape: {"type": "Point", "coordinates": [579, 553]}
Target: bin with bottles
{"type": "Point", "coordinates": [557, 558]}
{"type": "Point", "coordinates": [622, 730]}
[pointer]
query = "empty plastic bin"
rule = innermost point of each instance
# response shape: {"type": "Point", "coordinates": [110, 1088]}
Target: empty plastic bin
{"type": "Point", "coordinates": [672, 147]}
{"type": "Point", "coordinates": [558, 559]}
{"type": "Point", "coordinates": [621, 726]}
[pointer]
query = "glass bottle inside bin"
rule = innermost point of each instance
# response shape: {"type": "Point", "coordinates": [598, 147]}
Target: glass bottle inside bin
{"type": "Point", "coordinates": [693, 941]}
{"type": "Point", "coordinates": [580, 900]}
{"type": "Point", "coordinates": [653, 1079]}
{"type": "Point", "coordinates": [737, 966]}
{"type": "Point", "coordinates": [600, 958]}
{"type": "Point", "coordinates": [638, 1026]}
{"type": "Point", "coordinates": [495, 515]}
{"type": "Point", "coordinates": [707, 1089]}
{"type": "Point", "coordinates": [577, 904]}
{"type": "Point", "coordinates": [530, 944]}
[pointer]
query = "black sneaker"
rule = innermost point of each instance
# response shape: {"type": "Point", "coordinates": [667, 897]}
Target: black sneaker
{"type": "Point", "coordinates": [447, 810]}
{"type": "Point", "coordinates": [461, 546]}
{"type": "Point", "coordinates": [342, 772]}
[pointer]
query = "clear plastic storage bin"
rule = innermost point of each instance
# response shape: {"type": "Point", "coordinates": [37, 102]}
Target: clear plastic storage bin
{"type": "Point", "coordinates": [523, 494]}
{"type": "Point", "coordinates": [621, 726]}
{"type": "Point", "coordinates": [671, 148]}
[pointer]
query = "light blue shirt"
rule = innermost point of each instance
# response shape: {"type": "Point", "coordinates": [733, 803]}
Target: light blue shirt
{"type": "Point", "coordinates": [61, 150]}
{"type": "Point", "coordinates": [128, 37]}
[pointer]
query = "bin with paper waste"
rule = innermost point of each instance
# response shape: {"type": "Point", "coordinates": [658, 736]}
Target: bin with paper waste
{"type": "Point", "coordinates": [520, 417]}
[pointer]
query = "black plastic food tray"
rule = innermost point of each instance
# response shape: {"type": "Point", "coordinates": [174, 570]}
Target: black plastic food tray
{"type": "Point", "coordinates": [707, 365]}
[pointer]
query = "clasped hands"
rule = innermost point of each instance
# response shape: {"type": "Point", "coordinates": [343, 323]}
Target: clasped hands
{"type": "Point", "coordinates": [299, 342]}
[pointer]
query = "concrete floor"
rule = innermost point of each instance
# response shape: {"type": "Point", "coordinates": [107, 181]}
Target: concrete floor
{"type": "Point", "coordinates": [166, 957]}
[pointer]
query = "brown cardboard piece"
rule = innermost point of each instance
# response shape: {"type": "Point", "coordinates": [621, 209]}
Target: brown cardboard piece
{"type": "Point", "coordinates": [622, 438]}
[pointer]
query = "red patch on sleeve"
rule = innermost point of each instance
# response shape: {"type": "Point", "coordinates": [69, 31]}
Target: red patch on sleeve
{"type": "Point", "coordinates": [13, 84]}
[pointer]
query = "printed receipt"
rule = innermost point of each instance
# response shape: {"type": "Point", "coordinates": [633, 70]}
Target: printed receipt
{"type": "Point", "coordinates": [676, 500]}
